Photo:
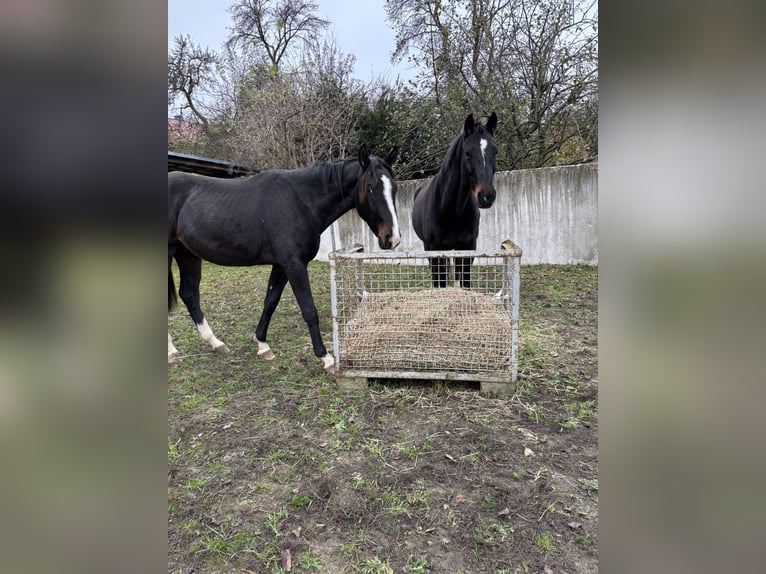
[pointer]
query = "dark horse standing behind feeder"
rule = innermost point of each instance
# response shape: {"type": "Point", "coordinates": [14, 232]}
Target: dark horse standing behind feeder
{"type": "Point", "coordinates": [273, 218]}
{"type": "Point", "coordinates": [445, 213]}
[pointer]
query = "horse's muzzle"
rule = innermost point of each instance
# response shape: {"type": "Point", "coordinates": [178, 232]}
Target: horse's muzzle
{"type": "Point", "coordinates": [388, 241]}
{"type": "Point", "coordinates": [386, 237]}
{"type": "Point", "coordinates": [485, 195]}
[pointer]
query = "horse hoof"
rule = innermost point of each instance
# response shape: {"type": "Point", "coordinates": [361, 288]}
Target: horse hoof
{"type": "Point", "coordinates": [267, 354]}
{"type": "Point", "coordinates": [174, 357]}
{"type": "Point", "coordinates": [221, 349]}
{"type": "Point", "coordinates": [329, 362]}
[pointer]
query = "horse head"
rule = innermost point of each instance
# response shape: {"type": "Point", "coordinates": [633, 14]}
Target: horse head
{"type": "Point", "coordinates": [479, 151]}
{"type": "Point", "coordinates": [375, 198]}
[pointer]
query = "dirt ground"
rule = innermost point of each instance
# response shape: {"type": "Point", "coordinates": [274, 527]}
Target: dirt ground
{"type": "Point", "coordinates": [272, 468]}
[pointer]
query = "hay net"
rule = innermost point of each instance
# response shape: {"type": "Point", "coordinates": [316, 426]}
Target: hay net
{"type": "Point", "coordinates": [390, 317]}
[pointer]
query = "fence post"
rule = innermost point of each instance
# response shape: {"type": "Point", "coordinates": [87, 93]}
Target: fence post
{"type": "Point", "coordinates": [512, 274]}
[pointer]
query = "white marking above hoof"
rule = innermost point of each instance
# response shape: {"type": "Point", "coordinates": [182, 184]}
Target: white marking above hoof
{"type": "Point", "coordinates": [207, 335]}
{"type": "Point", "coordinates": [173, 354]}
{"type": "Point", "coordinates": [328, 361]}
{"type": "Point", "coordinates": [264, 351]}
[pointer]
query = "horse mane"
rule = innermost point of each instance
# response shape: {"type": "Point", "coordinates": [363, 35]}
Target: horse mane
{"type": "Point", "coordinates": [330, 171]}
{"type": "Point", "coordinates": [455, 149]}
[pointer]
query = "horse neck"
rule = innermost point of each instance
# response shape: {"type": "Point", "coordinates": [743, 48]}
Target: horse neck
{"type": "Point", "coordinates": [339, 182]}
{"type": "Point", "coordinates": [454, 188]}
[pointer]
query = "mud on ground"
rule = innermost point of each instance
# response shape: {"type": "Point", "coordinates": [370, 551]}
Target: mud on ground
{"type": "Point", "coordinates": [273, 468]}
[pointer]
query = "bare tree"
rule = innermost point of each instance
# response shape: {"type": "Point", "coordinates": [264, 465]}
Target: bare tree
{"type": "Point", "coordinates": [300, 115]}
{"type": "Point", "coordinates": [191, 70]}
{"type": "Point", "coordinates": [534, 62]}
{"type": "Point", "coordinates": [274, 26]}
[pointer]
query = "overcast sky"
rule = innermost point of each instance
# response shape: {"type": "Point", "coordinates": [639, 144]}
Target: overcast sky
{"type": "Point", "coordinates": [360, 29]}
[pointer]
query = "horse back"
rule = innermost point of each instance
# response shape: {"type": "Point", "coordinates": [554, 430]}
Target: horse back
{"type": "Point", "coordinates": [239, 222]}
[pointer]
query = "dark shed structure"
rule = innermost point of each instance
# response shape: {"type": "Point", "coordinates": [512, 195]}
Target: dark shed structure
{"type": "Point", "coordinates": [207, 166]}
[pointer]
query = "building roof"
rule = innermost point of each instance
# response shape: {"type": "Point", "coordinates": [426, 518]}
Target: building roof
{"type": "Point", "coordinates": [207, 166]}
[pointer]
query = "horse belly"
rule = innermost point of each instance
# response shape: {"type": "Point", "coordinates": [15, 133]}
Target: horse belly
{"type": "Point", "coordinates": [224, 240]}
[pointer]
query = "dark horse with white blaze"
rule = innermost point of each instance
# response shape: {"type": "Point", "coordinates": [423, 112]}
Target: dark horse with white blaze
{"type": "Point", "coordinates": [273, 218]}
{"type": "Point", "coordinates": [445, 213]}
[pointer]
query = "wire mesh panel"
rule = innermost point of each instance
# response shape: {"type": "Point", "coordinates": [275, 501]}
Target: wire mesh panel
{"type": "Point", "coordinates": [389, 321]}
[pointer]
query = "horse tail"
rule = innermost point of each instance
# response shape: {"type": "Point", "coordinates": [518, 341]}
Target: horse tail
{"type": "Point", "coordinates": [172, 295]}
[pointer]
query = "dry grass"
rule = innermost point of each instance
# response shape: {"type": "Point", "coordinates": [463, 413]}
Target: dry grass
{"type": "Point", "coordinates": [433, 329]}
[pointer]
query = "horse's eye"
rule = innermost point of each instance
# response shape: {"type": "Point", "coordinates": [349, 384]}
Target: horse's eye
{"type": "Point", "coordinates": [369, 189]}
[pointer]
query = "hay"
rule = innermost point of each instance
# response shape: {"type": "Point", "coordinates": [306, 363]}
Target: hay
{"type": "Point", "coordinates": [431, 330]}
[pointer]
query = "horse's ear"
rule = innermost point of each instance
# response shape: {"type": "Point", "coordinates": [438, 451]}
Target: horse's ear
{"type": "Point", "coordinates": [469, 125]}
{"type": "Point", "coordinates": [391, 157]}
{"type": "Point", "coordinates": [364, 156]}
{"type": "Point", "coordinates": [492, 123]}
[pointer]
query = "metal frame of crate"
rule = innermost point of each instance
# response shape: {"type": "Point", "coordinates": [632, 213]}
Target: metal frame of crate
{"type": "Point", "coordinates": [390, 323]}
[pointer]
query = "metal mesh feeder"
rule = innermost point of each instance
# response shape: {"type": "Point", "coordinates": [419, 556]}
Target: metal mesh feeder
{"type": "Point", "coordinates": [389, 322]}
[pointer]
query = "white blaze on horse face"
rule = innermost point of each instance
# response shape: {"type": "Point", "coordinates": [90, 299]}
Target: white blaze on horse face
{"type": "Point", "coordinates": [483, 145]}
{"type": "Point", "coordinates": [387, 188]}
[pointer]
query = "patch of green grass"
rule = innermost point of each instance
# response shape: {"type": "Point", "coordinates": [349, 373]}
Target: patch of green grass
{"type": "Point", "coordinates": [488, 503]}
{"type": "Point", "coordinates": [453, 518]}
{"type": "Point", "coordinates": [300, 500]}
{"type": "Point", "coordinates": [351, 547]}
{"type": "Point", "coordinates": [392, 504]}
{"type": "Point", "coordinates": [586, 539]}
{"type": "Point", "coordinates": [420, 497]}
{"type": "Point", "coordinates": [274, 520]}
{"type": "Point", "coordinates": [173, 453]}
{"type": "Point", "coordinates": [268, 553]}
{"type": "Point", "coordinates": [214, 465]}
{"type": "Point", "coordinates": [590, 483]}
{"type": "Point", "coordinates": [224, 547]}
{"type": "Point", "coordinates": [374, 447]}
{"type": "Point", "coordinates": [358, 482]}
{"type": "Point", "coordinates": [192, 402]}
{"type": "Point", "coordinates": [190, 526]}
{"type": "Point", "coordinates": [197, 483]}
{"type": "Point", "coordinates": [418, 565]}
{"type": "Point", "coordinates": [308, 561]}
{"type": "Point", "coordinates": [491, 533]}
{"type": "Point", "coordinates": [375, 565]}
{"type": "Point", "coordinates": [545, 543]}
{"type": "Point", "coordinates": [408, 450]}
{"type": "Point", "coordinates": [278, 455]}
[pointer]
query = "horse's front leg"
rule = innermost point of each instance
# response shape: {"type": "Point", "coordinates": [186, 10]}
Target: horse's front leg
{"type": "Point", "coordinates": [299, 281]}
{"type": "Point", "coordinates": [463, 271]}
{"type": "Point", "coordinates": [277, 282]}
{"type": "Point", "coordinates": [439, 271]}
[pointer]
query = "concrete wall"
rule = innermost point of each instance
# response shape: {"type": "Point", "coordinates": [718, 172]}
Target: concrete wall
{"type": "Point", "coordinates": [551, 213]}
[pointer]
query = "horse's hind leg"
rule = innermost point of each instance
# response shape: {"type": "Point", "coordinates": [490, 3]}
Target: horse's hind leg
{"type": "Point", "coordinates": [463, 271]}
{"type": "Point", "coordinates": [173, 354]}
{"type": "Point", "coordinates": [277, 282]}
{"type": "Point", "coordinates": [439, 271]}
{"type": "Point", "coordinates": [190, 267]}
